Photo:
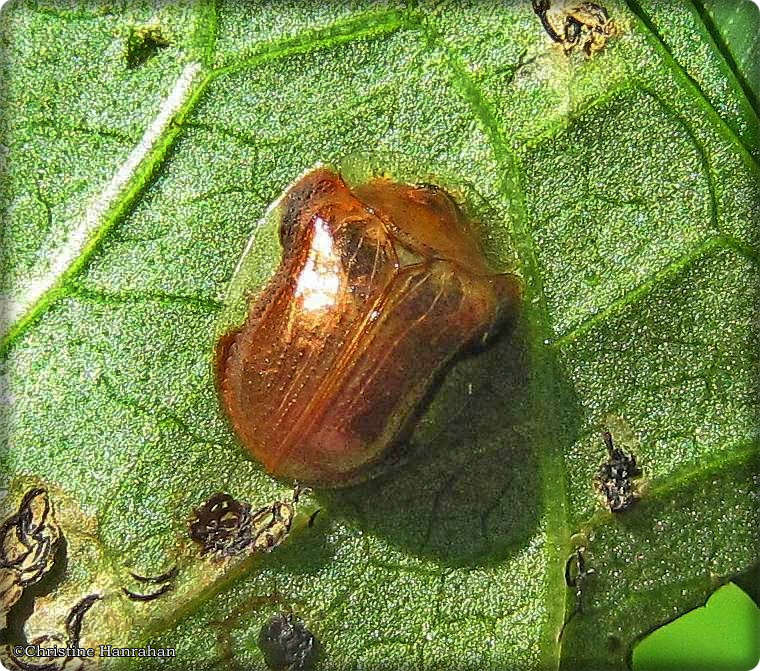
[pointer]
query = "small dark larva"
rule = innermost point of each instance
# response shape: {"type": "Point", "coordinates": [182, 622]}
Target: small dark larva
{"type": "Point", "coordinates": [378, 287]}
{"type": "Point", "coordinates": [615, 478]}
{"type": "Point", "coordinates": [286, 643]}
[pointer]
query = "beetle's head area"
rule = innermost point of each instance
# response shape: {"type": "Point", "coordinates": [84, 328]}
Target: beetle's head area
{"type": "Point", "coordinates": [427, 219]}
{"type": "Point", "coordinates": [305, 197]}
{"type": "Point", "coordinates": [422, 217]}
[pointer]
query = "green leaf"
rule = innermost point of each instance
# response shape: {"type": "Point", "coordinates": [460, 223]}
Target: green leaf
{"type": "Point", "coordinates": [627, 182]}
{"type": "Point", "coordinates": [715, 44]}
{"type": "Point", "coordinates": [722, 635]}
{"type": "Point", "coordinates": [738, 25]}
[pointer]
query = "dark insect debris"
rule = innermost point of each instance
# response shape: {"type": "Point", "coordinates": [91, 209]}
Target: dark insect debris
{"type": "Point", "coordinates": [46, 663]}
{"type": "Point", "coordinates": [73, 633]}
{"type": "Point", "coordinates": [135, 596]}
{"type": "Point", "coordinates": [155, 580]}
{"type": "Point", "coordinates": [572, 24]}
{"type": "Point", "coordinates": [225, 527]}
{"type": "Point", "coordinates": [313, 518]}
{"type": "Point", "coordinates": [272, 523]}
{"type": "Point", "coordinates": [29, 540]}
{"type": "Point", "coordinates": [615, 477]}
{"type": "Point", "coordinates": [286, 643]}
{"type": "Point", "coordinates": [576, 574]}
{"type": "Point", "coordinates": [222, 526]}
{"type": "Point", "coordinates": [158, 579]}
{"type": "Point", "coordinates": [75, 617]}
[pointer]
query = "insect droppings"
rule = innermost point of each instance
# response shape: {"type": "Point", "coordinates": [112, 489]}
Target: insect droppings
{"type": "Point", "coordinates": [164, 579]}
{"type": "Point", "coordinates": [136, 596]}
{"type": "Point", "coordinates": [271, 524]}
{"type": "Point", "coordinates": [576, 574]}
{"type": "Point", "coordinates": [158, 579]}
{"type": "Point", "coordinates": [51, 643]}
{"type": "Point", "coordinates": [75, 617]}
{"type": "Point", "coordinates": [225, 526]}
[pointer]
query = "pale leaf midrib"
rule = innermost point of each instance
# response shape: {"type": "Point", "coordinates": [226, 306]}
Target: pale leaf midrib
{"type": "Point", "coordinates": [101, 216]}
{"type": "Point", "coordinates": [17, 313]}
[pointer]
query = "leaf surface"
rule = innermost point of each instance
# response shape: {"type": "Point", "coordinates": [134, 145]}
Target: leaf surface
{"type": "Point", "coordinates": [626, 182]}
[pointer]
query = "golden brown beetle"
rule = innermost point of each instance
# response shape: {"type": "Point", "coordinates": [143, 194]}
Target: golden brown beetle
{"type": "Point", "coordinates": [378, 287]}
